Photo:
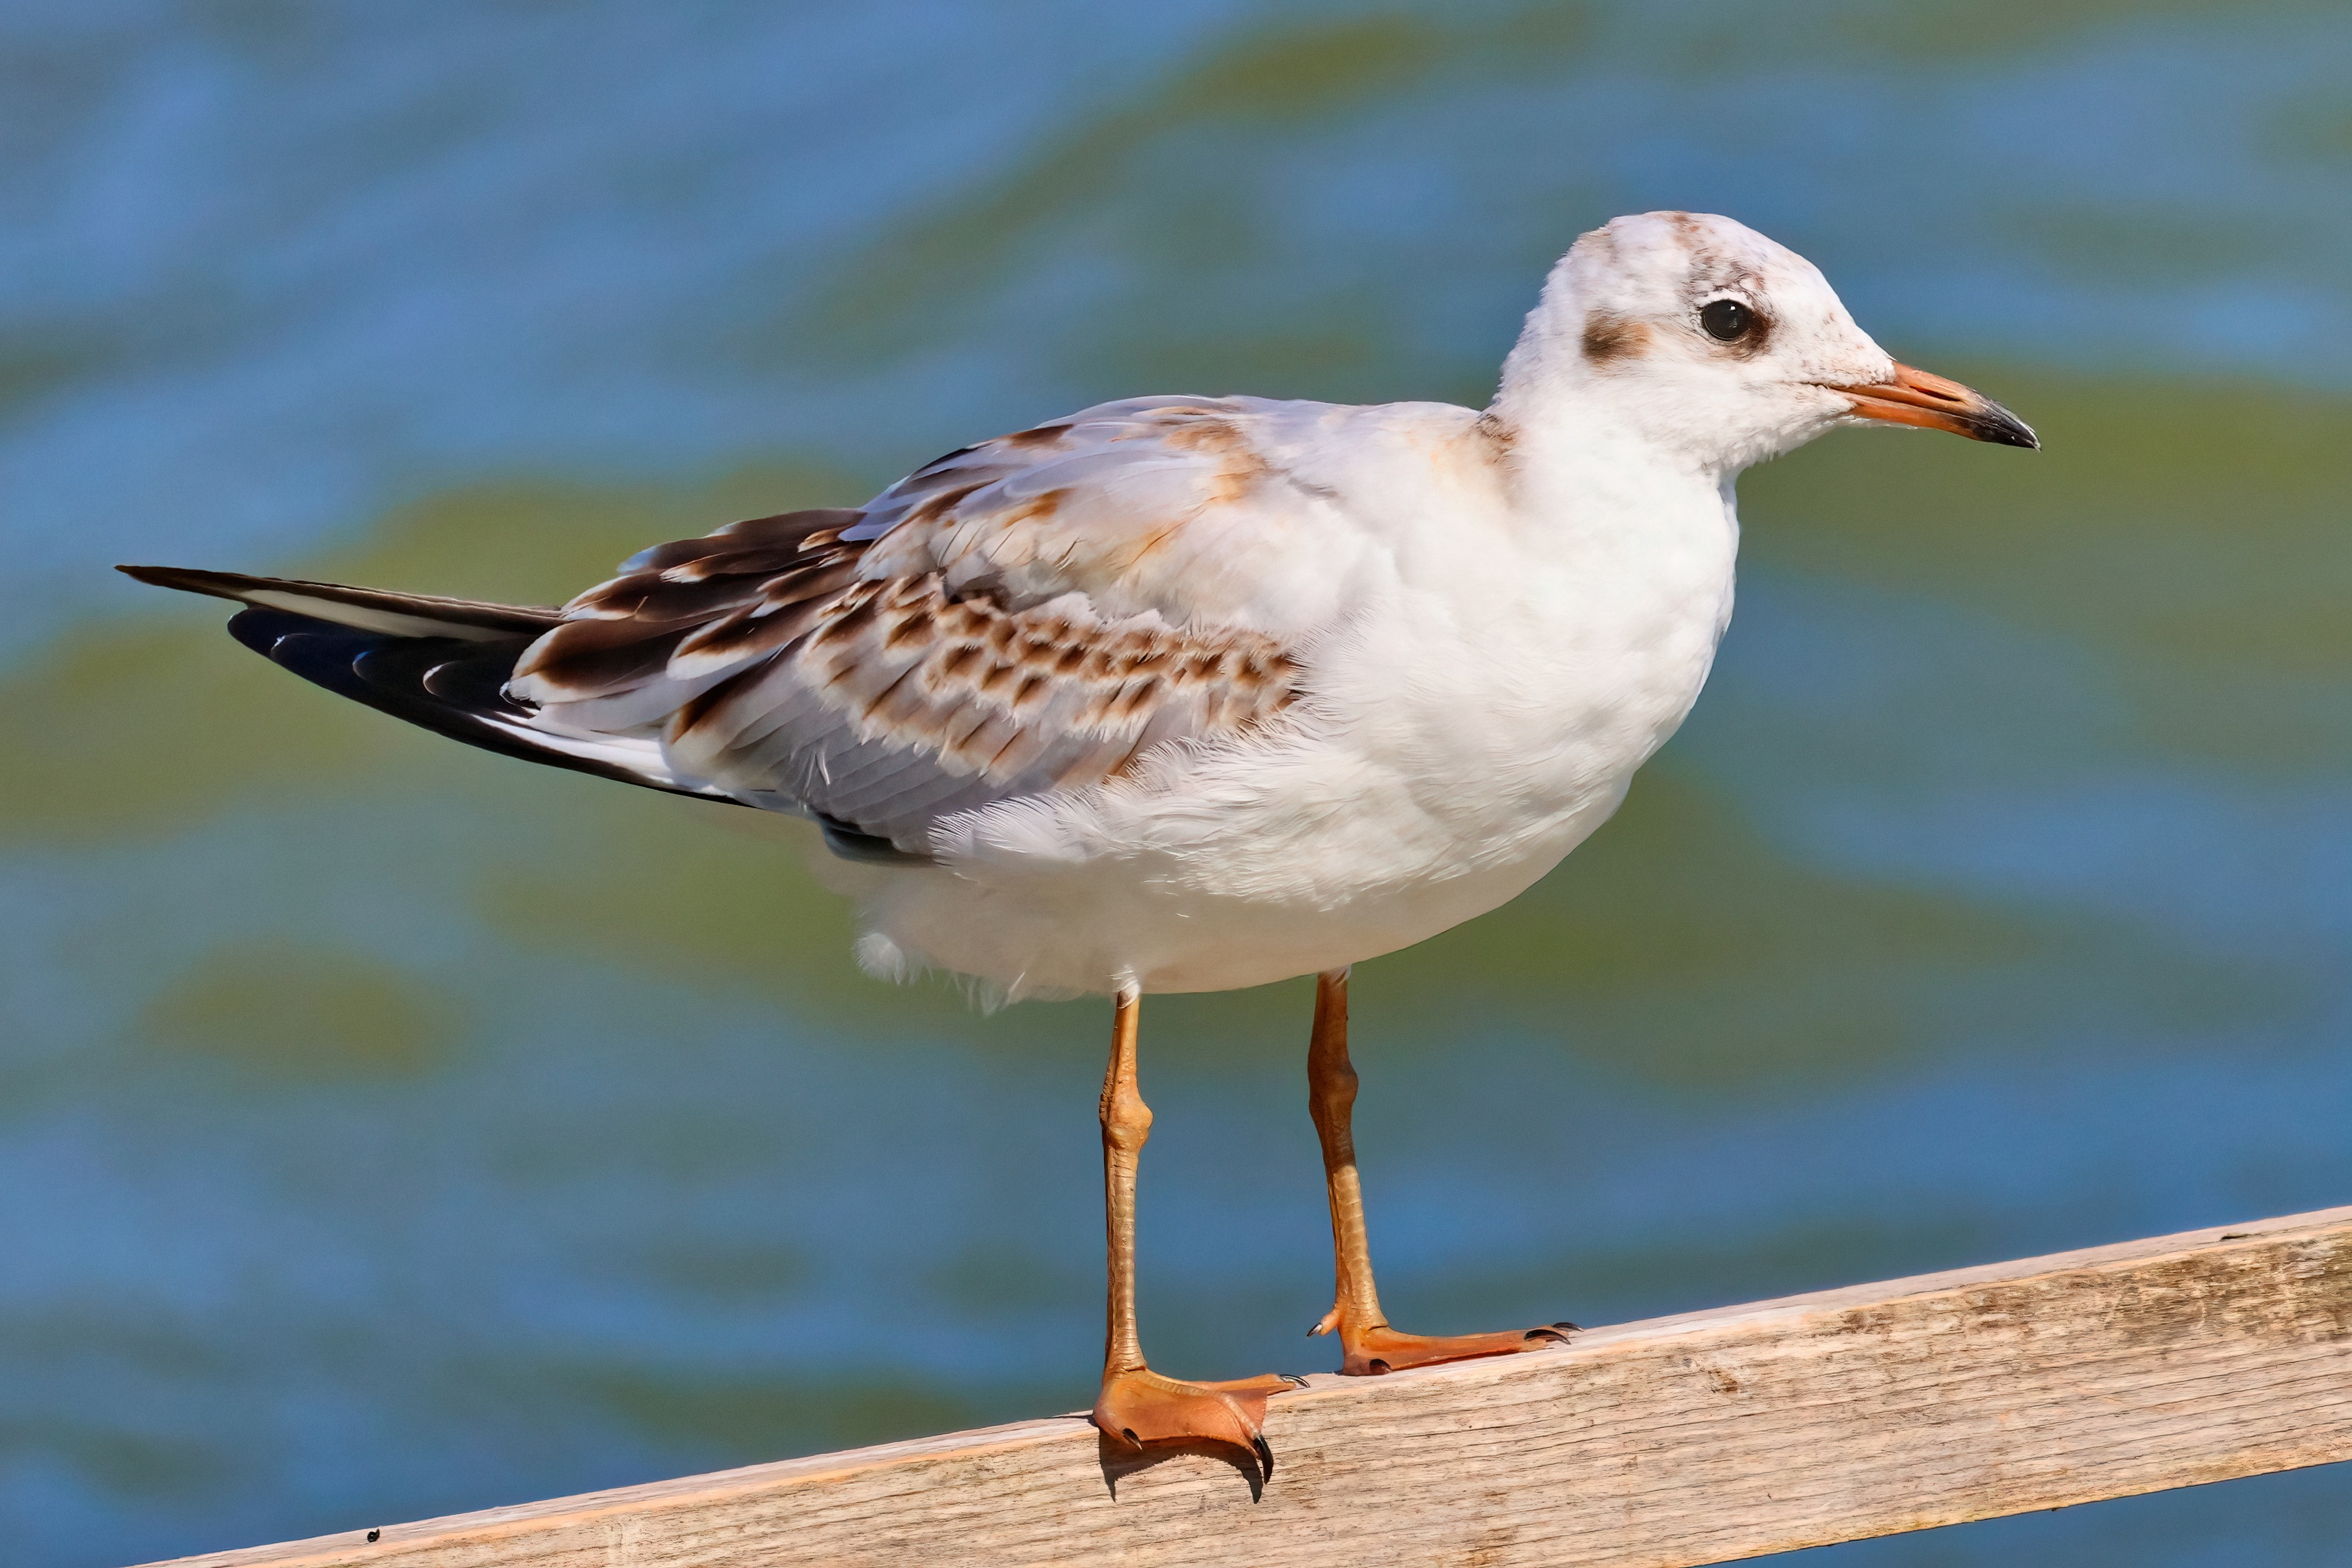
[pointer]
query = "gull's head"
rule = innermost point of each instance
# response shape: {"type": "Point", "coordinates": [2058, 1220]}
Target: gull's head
{"type": "Point", "coordinates": [1722, 347]}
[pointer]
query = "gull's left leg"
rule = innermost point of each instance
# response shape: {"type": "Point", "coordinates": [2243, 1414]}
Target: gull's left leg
{"type": "Point", "coordinates": [1367, 1343]}
{"type": "Point", "coordinates": [1138, 1405]}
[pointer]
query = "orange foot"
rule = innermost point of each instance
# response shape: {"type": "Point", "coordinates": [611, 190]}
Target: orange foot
{"type": "Point", "coordinates": [1140, 1408]}
{"type": "Point", "coordinates": [1368, 1352]}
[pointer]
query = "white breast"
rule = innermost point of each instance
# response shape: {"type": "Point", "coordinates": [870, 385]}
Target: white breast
{"type": "Point", "coordinates": [1476, 717]}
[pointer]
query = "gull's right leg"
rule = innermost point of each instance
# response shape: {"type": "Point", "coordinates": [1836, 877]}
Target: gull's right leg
{"type": "Point", "coordinates": [1368, 1344]}
{"type": "Point", "coordinates": [1138, 1405]}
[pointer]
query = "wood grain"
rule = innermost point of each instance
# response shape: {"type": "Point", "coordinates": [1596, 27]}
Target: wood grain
{"type": "Point", "coordinates": [1692, 1439]}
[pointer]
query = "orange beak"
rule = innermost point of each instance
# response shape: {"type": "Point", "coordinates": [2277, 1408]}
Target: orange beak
{"type": "Point", "coordinates": [1916, 397]}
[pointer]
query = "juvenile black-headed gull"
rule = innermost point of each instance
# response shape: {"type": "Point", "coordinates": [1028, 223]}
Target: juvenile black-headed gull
{"type": "Point", "coordinates": [1184, 693]}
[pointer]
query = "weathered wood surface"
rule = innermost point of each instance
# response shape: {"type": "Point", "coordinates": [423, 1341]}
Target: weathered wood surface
{"type": "Point", "coordinates": [1692, 1439]}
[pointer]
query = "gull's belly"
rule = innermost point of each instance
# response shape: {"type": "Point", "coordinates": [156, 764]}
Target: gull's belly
{"type": "Point", "coordinates": [1483, 753]}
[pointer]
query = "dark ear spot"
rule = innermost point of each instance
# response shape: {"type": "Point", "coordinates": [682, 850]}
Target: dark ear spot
{"type": "Point", "coordinates": [1608, 338]}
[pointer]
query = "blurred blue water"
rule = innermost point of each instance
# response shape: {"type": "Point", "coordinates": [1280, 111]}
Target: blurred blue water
{"type": "Point", "coordinates": [2044, 855]}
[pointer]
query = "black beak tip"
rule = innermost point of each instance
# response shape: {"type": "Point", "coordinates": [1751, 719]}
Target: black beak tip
{"type": "Point", "coordinates": [1997, 424]}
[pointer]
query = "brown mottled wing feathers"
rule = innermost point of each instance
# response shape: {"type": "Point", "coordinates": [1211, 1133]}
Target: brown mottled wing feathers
{"type": "Point", "coordinates": [770, 668]}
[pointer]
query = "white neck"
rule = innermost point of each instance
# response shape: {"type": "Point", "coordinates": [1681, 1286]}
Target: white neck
{"type": "Point", "coordinates": [1583, 472]}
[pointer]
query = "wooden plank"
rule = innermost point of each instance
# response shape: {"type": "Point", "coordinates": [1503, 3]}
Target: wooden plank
{"type": "Point", "coordinates": [1683, 1440]}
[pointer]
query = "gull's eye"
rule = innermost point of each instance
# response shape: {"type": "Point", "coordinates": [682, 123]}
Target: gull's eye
{"type": "Point", "coordinates": [1727, 319]}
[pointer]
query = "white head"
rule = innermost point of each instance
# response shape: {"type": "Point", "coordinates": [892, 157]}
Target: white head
{"type": "Point", "coordinates": [1718, 345]}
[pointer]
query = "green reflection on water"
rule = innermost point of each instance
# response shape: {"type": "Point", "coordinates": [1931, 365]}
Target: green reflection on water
{"type": "Point", "coordinates": [135, 1467]}
{"type": "Point", "coordinates": [146, 727]}
{"type": "Point", "coordinates": [754, 1275]}
{"type": "Point", "coordinates": [2313, 129]}
{"type": "Point", "coordinates": [999, 1278]}
{"type": "Point", "coordinates": [1948, 35]}
{"type": "Point", "coordinates": [1679, 946]}
{"type": "Point", "coordinates": [300, 1013]}
{"type": "Point", "coordinates": [918, 276]}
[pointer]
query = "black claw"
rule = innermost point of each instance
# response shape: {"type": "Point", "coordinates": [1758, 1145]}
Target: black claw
{"type": "Point", "coordinates": [1264, 1455]}
{"type": "Point", "coordinates": [1295, 1379]}
{"type": "Point", "coordinates": [1573, 1328]}
{"type": "Point", "coordinates": [1554, 1335]}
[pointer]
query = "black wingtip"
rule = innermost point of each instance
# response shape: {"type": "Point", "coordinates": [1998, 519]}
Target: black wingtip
{"type": "Point", "coordinates": [182, 577]}
{"type": "Point", "coordinates": [229, 585]}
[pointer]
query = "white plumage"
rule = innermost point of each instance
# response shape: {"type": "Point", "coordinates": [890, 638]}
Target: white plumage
{"type": "Point", "coordinates": [1188, 694]}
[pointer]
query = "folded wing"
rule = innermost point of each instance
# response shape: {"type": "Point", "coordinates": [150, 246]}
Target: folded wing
{"type": "Point", "coordinates": [1033, 613]}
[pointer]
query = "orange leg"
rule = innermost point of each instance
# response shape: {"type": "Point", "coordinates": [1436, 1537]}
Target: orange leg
{"type": "Point", "coordinates": [1367, 1343]}
{"type": "Point", "coordinates": [1137, 1405]}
